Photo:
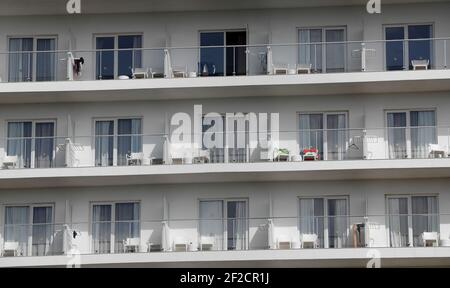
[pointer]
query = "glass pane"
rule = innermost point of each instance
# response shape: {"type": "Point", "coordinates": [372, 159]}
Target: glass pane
{"type": "Point", "coordinates": [425, 217]}
{"type": "Point", "coordinates": [211, 224]}
{"type": "Point", "coordinates": [423, 132]}
{"type": "Point", "coordinates": [398, 222]}
{"type": "Point", "coordinates": [44, 144]}
{"type": "Point", "coordinates": [17, 227]}
{"type": "Point", "coordinates": [237, 225]}
{"type": "Point", "coordinates": [46, 61]}
{"type": "Point", "coordinates": [397, 135]}
{"type": "Point", "coordinates": [211, 131]}
{"type": "Point", "coordinates": [419, 49]}
{"type": "Point", "coordinates": [336, 136]}
{"type": "Point", "coordinates": [335, 51]}
{"type": "Point", "coordinates": [129, 139]}
{"type": "Point", "coordinates": [105, 59]}
{"type": "Point", "coordinates": [104, 143]}
{"type": "Point", "coordinates": [310, 51]}
{"type": "Point", "coordinates": [127, 224]}
{"type": "Point", "coordinates": [236, 57]}
{"type": "Point", "coordinates": [42, 231]}
{"type": "Point", "coordinates": [311, 132]}
{"type": "Point", "coordinates": [312, 218]}
{"type": "Point", "coordinates": [129, 59]}
{"type": "Point", "coordinates": [212, 59]}
{"type": "Point", "coordinates": [101, 228]}
{"type": "Point", "coordinates": [394, 49]}
{"type": "Point", "coordinates": [20, 61]}
{"type": "Point", "coordinates": [19, 142]}
{"type": "Point", "coordinates": [337, 223]}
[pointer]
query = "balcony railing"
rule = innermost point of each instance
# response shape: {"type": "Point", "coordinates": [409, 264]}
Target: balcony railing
{"type": "Point", "coordinates": [225, 234]}
{"type": "Point", "coordinates": [231, 60]}
{"type": "Point", "coordinates": [420, 142]}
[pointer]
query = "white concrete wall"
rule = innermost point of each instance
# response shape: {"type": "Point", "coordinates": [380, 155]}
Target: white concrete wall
{"type": "Point", "coordinates": [183, 200]}
{"type": "Point", "coordinates": [263, 26]}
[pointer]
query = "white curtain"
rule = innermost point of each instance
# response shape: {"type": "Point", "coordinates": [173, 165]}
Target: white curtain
{"type": "Point", "coordinates": [336, 136]}
{"type": "Point", "coordinates": [425, 216]}
{"type": "Point", "coordinates": [101, 228]}
{"type": "Point", "coordinates": [127, 223]}
{"type": "Point", "coordinates": [17, 227]}
{"type": "Point", "coordinates": [423, 132]}
{"type": "Point", "coordinates": [311, 132]}
{"type": "Point", "coordinates": [104, 143]}
{"type": "Point", "coordinates": [309, 51]}
{"type": "Point", "coordinates": [398, 222]}
{"type": "Point", "coordinates": [19, 142]}
{"type": "Point", "coordinates": [337, 223]}
{"type": "Point", "coordinates": [335, 52]}
{"type": "Point", "coordinates": [46, 61]}
{"type": "Point", "coordinates": [237, 225]}
{"type": "Point", "coordinates": [211, 222]}
{"type": "Point", "coordinates": [44, 144]}
{"type": "Point", "coordinates": [129, 139]}
{"type": "Point", "coordinates": [21, 60]}
{"type": "Point", "coordinates": [397, 134]}
{"type": "Point", "coordinates": [42, 234]}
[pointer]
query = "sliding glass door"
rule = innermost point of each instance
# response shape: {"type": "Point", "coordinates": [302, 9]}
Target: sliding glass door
{"type": "Point", "coordinates": [32, 59]}
{"type": "Point", "coordinates": [109, 235]}
{"type": "Point", "coordinates": [327, 218]}
{"type": "Point", "coordinates": [121, 54]}
{"type": "Point", "coordinates": [217, 58]}
{"type": "Point", "coordinates": [101, 228]}
{"type": "Point", "coordinates": [325, 131]}
{"type": "Point", "coordinates": [42, 230]}
{"type": "Point", "coordinates": [104, 143]}
{"type": "Point", "coordinates": [405, 43]}
{"type": "Point", "coordinates": [108, 150]}
{"type": "Point", "coordinates": [405, 227]}
{"type": "Point", "coordinates": [212, 222]}
{"type": "Point", "coordinates": [31, 227]}
{"type": "Point", "coordinates": [312, 218]}
{"type": "Point", "coordinates": [410, 133]}
{"type": "Point", "coordinates": [323, 48]}
{"type": "Point", "coordinates": [29, 138]}
{"type": "Point", "coordinates": [226, 222]}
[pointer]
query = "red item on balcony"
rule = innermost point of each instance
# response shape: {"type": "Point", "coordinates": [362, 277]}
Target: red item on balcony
{"type": "Point", "coordinates": [311, 154]}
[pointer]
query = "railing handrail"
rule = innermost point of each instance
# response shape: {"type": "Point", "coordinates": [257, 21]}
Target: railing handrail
{"type": "Point", "coordinates": [349, 216]}
{"type": "Point", "coordinates": [225, 46]}
{"type": "Point", "coordinates": [162, 134]}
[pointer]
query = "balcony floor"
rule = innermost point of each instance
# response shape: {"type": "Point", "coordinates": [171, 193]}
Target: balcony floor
{"type": "Point", "coordinates": [346, 257]}
{"type": "Point", "coordinates": [223, 87]}
{"type": "Point", "coordinates": [226, 172]}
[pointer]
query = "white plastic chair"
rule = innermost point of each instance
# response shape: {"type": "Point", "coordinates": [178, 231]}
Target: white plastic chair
{"type": "Point", "coordinates": [139, 73]}
{"type": "Point", "coordinates": [436, 151]}
{"type": "Point", "coordinates": [10, 161]}
{"type": "Point", "coordinates": [284, 242]}
{"type": "Point", "coordinates": [135, 158]}
{"type": "Point", "coordinates": [304, 68]}
{"type": "Point", "coordinates": [420, 64]}
{"type": "Point", "coordinates": [11, 249]}
{"type": "Point", "coordinates": [309, 239]}
{"type": "Point", "coordinates": [131, 244]}
{"type": "Point", "coordinates": [207, 243]}
{"type": "Point", "coordinates": [280, 69]}
{"type": "Point", "coordinates": [430, 238]}
{"type": "Point", "coordinates": [180, 244]}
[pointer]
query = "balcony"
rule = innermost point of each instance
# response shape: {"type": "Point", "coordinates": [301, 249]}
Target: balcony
{"type": "Point", "coordinates": [217, 71]}
{"type": "Point", "coordinates": [328, 239]}
{"type": "Point", "coordinates": [307, 154]}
